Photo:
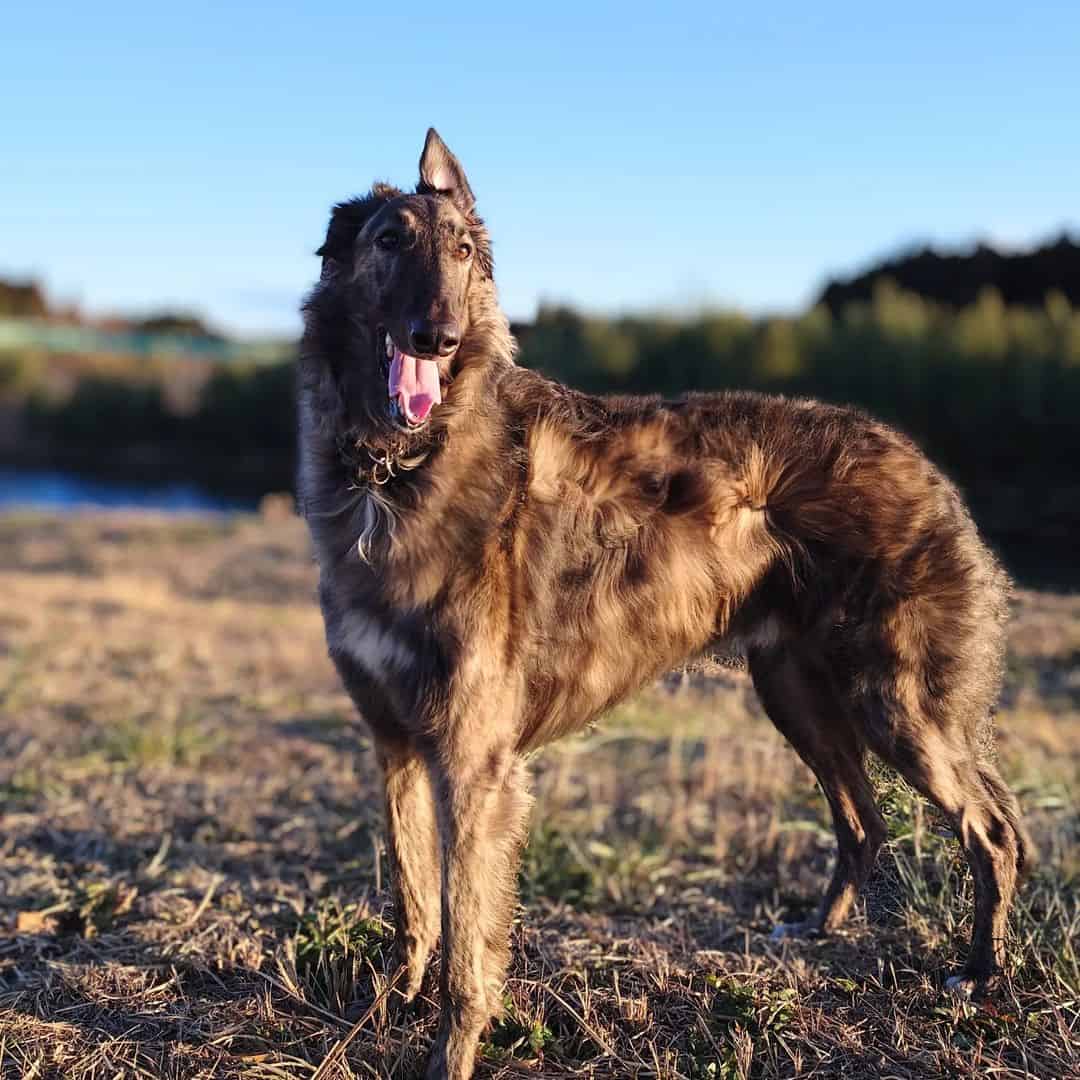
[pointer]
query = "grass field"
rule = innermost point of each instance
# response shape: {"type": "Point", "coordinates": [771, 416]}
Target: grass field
{"type": "Point", "coordinates": [192, 873]}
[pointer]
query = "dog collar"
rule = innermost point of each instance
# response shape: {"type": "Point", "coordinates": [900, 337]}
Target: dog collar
{"type": "Point", "coordinates": [375, 466]}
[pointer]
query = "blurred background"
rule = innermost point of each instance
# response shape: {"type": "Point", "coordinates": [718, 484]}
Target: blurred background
{"type": "Point", "coordinates": [879, 210]}
{"type": "Point", "coordinates": [871, 204]}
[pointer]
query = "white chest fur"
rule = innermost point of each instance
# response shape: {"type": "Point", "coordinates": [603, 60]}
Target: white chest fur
{"type": "Point", "coordinates": [376, 646]}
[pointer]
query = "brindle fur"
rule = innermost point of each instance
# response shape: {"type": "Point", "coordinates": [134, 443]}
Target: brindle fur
{"type": "Point", "coordinates": [548, 553]}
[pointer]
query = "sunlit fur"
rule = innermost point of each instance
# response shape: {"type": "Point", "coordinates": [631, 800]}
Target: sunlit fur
{"type": "Point", "coordinates": [552, 552]}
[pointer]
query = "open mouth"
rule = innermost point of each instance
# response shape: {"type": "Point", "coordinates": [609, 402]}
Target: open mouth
{"type": "Point", "coordinates": [413, 384]}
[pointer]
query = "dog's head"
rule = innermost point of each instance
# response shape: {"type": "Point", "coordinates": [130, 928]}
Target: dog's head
{"type": "Point", "coordinates": [403, 270]}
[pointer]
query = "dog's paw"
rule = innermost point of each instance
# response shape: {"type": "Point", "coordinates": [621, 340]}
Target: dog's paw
{"type": "Point", "coordinates": [808, 928]}
{"type": "Point", "coordinates": [407, 994]}
{"type": "Point", "coordinates": [966, 987]}
{"type": "Point", "coordinates": [960, 985]}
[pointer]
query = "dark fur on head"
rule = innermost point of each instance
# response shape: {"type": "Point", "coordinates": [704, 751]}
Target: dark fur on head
{"type": "Point", "coordinates": [365, 292]}
{"type": "Point", "coordinates": [348, 218]}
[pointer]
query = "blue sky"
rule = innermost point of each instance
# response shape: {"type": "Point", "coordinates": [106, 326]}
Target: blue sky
{"type": "Point", "coordinates": [625, 157]}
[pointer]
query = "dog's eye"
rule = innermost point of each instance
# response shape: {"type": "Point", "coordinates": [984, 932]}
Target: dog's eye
{"type": "Point", "coordinates": [464, 251]}
{"type": "Point", "coordinates": [388, 241]}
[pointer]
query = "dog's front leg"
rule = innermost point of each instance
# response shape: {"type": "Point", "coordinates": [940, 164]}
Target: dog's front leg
{"type": "Point", "coordinates": [414, 857]}
{"type": "Point", "coordinates": [483, 804]}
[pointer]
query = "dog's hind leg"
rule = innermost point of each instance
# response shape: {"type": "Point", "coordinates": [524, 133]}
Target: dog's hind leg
{"type": "Point", "coordinates": [414, 858]}
{"type": "Point", "coordinates": [946, 767]}
{"type": "Point", "coordinates": [483, 804]}
{"type": "Point", "coordinates": [801, 702]}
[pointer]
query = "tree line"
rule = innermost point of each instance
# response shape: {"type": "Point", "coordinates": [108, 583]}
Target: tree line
{"type": "Point", "coordinates": [990, 390]}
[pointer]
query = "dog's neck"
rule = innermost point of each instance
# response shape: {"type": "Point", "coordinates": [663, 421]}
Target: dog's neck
{"type": "Point", "coordinates": [362, 484]}
{"type": "Point", "coordinates": [377, 464]}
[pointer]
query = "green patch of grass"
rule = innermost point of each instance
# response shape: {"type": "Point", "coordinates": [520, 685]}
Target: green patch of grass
{"type": "Point", "coordinates": [1047, 930]}
{"type": "Point", "coordinates": [626, 875]}
{"type": "Point", "coordinates": [101, 903]}
{"type": "Point", "coordinates": [93, 908]}
{"type": "Point", "coordinates": [335, 932]}
{"type": "Point", "coordinates": [17, 676]}
{"type": "Point", "coordinates": [762, 1011]}
{"type": "Point", "coordinates": [554, 868]}
{"type": "Point", "coordinates": [741, 1021]}
{"type": "Point", "coordinates": [516, 1037]}
{"type": "Point", "coordinates": [169, 740]}
{"type": "Point", "coordinates": [21, 789]}
{"type": "Point", "coordinates": [335, 949]}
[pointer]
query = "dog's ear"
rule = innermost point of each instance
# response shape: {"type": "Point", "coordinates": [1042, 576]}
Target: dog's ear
{"type": "Point", "coordinates": [348, 218]}
{"type": "Point", "coordinates": [441, 174]}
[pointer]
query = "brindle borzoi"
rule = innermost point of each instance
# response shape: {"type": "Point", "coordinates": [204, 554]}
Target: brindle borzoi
{"type": "Point", "coordinates": [503, 558]}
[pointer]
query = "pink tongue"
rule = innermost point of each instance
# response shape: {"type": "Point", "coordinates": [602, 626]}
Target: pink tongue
{"type": "Point", "coordinates": [415, 383]}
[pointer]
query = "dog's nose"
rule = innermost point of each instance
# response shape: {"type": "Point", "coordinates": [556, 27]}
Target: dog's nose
{"type": "Point", "coordinates": [428, 338]}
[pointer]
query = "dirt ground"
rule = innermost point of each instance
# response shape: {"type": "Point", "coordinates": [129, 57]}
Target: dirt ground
{"type": "Point", "coordinates": [192, 871]}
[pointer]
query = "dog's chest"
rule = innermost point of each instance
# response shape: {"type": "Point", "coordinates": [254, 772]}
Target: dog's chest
{"type": "Point", "coordinates": [376, 644]}
{"type": "Point", "coordinates": [363, 628]}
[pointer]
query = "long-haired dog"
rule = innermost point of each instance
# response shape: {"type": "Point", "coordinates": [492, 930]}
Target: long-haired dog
{"type": "Point", "coordinates": [503, 558]}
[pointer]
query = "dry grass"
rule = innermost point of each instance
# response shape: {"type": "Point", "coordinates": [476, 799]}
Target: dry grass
{"type": "Point", "coordinates": [192, 870]}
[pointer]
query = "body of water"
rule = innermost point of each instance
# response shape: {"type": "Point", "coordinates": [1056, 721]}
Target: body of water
{"type": "Point", "coordinates": [57, 490]}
